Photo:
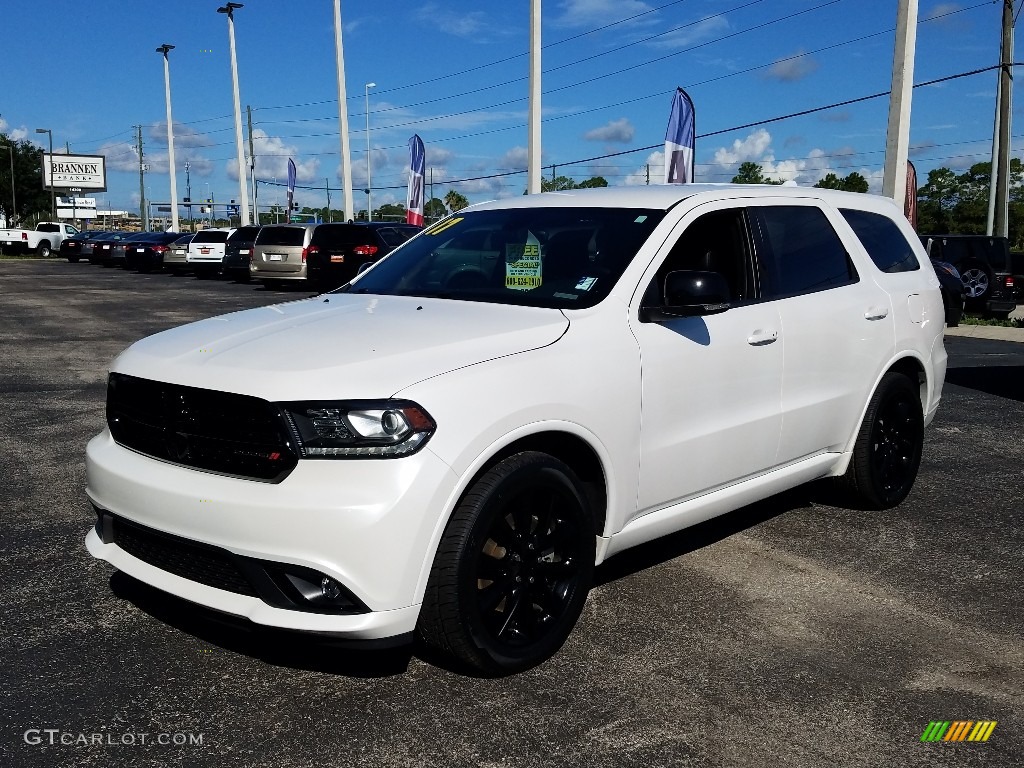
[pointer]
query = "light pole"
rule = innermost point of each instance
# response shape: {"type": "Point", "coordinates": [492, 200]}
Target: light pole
{"type": "Point", "coordinates": [53, 198]}
{"type": "Point", "coordinates": [164, 49]}
{"type": "Point", "coordinates": [346, 153]}
{"type": "Point", "coordinates": [229, 9]}
{"type": "Point", "coordinates": [369, 204]}
{"type": "Point", "coordinates": [14, 202]}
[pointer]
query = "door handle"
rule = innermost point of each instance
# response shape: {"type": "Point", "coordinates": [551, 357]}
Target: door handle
{"type": "Point", "coordinates": [876, 313]}
{"type": "Point", "coordinates": [761, 337]}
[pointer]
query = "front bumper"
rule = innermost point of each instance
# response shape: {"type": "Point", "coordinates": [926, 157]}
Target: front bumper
{"type": "Point", "coordinates": [368, 524]}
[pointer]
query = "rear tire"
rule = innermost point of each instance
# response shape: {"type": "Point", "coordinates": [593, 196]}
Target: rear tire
{"type": "Point", "coordinates": [72, 259]}
{"type": "Point", "coordinates": [43, 249]}
{"type": "Point", "coordinates": [513, 569]}
{"type": "Point", "coordinates": [887, 453]}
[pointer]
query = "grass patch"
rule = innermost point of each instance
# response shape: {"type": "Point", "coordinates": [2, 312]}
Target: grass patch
{"type": "Point", "coordinates": [1011, 322]}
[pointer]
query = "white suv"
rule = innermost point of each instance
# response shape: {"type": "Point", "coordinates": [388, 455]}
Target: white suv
{"type": "Point", "coordinates": [448, 445]}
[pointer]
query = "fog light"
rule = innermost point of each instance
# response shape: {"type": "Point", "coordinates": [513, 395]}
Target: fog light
{"type": "Point", "coordinates": [330, 588]}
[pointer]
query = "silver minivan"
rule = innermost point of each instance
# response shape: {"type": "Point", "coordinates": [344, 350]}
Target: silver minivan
{"type": "Point", "coordinates": [279, 252]}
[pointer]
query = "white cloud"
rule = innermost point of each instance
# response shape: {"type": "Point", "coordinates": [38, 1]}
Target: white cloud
{"type": "Point", "coordinates": [184, 135]}
{"type": "Point", "coordinates": [272, 156]}
{"type": "Point", "coordinates": [653, 170]}
{"type": "Point", "coordinates": [619, 131]}
{"type": "Point", "coordinates": [792, 68]}
{"type": "Point", "coordinates": [752, 148]}
{"type": "Point", "coordinates": [515, 159]}
{"type": "Point", "coordinates": [689, 34]}
{"type": "Point", "coordinates": [594, 13]}
{"type": "Point", "coordinates": [470, 25]}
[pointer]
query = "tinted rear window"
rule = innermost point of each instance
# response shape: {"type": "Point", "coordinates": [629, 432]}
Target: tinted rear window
{"type": "Point", "coordinates": [281, 236]}
{"type": "Point", "coordinates": [395, 236]}
{"type": "Point", "coordinates": [244, 233]}
{"type": "Point", "coordinates": [207, 236]}
{"type": "Point", "coordinates": [883, 240]}
{"type": "Point", "coordinates": [341, 235]}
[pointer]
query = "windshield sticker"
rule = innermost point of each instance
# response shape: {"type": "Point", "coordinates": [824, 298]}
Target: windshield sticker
{"type": "Point", "coordinates": [639, 219]}
{"type": "Point", "coordinates": [522, 265]}
{"type": "Point", "coordinates": [586, 283]}
{"type": "Point", "coordinates": [559, 295]}
{"type": "Point", "coordinates": [443, 226]}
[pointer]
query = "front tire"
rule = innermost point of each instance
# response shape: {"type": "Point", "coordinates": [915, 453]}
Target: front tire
{"type": "Point", "coordinates": [887, 453]}
{"type": "Point", "coordinates": [513, 568]}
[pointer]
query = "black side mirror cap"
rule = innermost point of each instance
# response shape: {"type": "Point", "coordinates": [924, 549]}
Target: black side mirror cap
{"type": "Point", "coordinates": [690, 293]}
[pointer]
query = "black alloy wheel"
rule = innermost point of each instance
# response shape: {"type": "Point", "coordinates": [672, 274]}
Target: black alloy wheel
{"type": "Point", "coordinates": [887, 454]}
{"type": "Point", "coordinates": [513, 568]}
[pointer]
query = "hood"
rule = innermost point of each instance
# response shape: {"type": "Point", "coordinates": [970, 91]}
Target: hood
{"type": "Point", "coordinates": [338, 346]}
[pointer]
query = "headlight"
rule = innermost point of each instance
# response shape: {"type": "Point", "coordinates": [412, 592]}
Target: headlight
{"type": "Point", "coordinates": [358, 428]}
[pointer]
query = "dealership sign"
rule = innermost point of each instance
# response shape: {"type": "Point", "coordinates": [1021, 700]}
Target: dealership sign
{"type": "Point", "coordinates": [76, 207]}
{"type": "Point", "coordinates": [79, 171]}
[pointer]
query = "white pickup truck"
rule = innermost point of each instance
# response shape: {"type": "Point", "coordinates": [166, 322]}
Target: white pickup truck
{"type": "Point", "coordinates": [43, 240]}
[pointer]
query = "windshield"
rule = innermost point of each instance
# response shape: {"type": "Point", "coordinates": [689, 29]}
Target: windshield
{"type": "Point", "coordinates": [567, 258]}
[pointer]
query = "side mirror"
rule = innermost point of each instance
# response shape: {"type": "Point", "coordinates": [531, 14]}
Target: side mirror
{"type": "Point", "coordinates": [689, 293]}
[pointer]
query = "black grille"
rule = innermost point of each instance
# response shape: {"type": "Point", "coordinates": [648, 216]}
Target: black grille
{"type": "Point", "coordinates": [230, 434]}
{"type": "Point", "coordinates": [206, 565]}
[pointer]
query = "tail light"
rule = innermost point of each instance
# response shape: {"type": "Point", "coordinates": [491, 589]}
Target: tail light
{"type": "Point", "coordinates": [309, 250]}
{"type": "Point", "coordinates": [161, 248]}
{"type": "Point", "coordinates": [1009, 281]}
{"type": "Point", "coordinates": [24, 235]}
{"type": "Point", "coordinates": [364, 250]}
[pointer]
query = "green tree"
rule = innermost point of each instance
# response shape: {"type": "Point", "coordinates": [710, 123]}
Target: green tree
{"type": "Point", "coordinates": [594, 181]}
{"type": "Point", "coordinates": [752, 173]}
{"type": "Point", "coordinates": [33, 201]}
{"type": "Point", "coordinates": [391, 212]}
{"type": "Point", "coordinates": [557, 184]}
{"type": "Point", "coordinates": [854, 182]}
{"type": "Point", "coordinates": [455, 201]}
{"type": "Point", "coordinates": [434, 209]}
{"type": "Point", "coordinates": [936, 201]}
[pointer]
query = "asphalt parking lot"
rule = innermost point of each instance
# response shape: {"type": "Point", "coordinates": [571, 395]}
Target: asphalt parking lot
{"type": "Point", "coordinates": [790, 632]}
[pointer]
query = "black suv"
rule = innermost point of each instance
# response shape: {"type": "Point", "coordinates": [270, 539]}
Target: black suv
{"type": "Point", "coordinates": [985, 269]}
{"type": "Point", "coordinates": [237, 252]}
{"type": "Point", "coordinates": [336, 252]}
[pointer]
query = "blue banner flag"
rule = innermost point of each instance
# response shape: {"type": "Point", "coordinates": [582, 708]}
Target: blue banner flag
{"type": "Point", "coordinates": [291, 184]}
{"type": "Point", "coordinates": [680, 138]}
{"type": "Point", "coordinates": [417, 172]}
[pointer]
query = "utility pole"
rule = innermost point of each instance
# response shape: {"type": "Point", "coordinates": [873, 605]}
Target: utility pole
{"type": "Point", "coordinates": [346, 151]}
{"type": "Point", "coordinates": [533, 185]}
{"type": "Point", "coordinates": [1000, 226]}
{"type": "Point", "coordinates": [897, 137]}
{"type": "Point", "coordinates": [252, 167]}
{"type": "Point", "coordinates": [143, 218]}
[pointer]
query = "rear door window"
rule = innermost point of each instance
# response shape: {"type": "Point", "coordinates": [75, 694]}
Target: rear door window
{"type": "Point", "coordinates": [800, 252]}
{"type": "Point", "coordinates": [394, 236]}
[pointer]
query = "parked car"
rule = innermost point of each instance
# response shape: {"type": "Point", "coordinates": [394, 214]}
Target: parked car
{"type": "Point", "coordinates": [337, 252]}
{"type": "Point", "coordinates": [279, 253]}
{"type": "Point", "coordinates": [205, 254]}
{"type": "Point", "coordinates": [78, 247]}
{"type": "Point", "coordinates": [1017, 270]}
{"type": "Point", "coordinates": [104, 246]}
{"type": "Point", "coordinates": [176, 257]}
{"type": "Point", "coordinates": [147, 254]}
{"type": "Point", "coordinates": [43, 240]}
{"type": "Point", "coordinates": [952, 291]}
{"type": "Point", "coordinates": [985, 270]}
{"type": "Point", "coordinates": [449, 452]}
{"type": "Point", "coordinates": [238, 252]}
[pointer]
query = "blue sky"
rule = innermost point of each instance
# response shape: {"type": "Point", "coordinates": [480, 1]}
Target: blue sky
{"type": "Point", "coordinates": [456, 74]}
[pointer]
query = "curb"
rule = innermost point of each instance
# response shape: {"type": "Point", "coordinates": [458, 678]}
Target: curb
{"type": "Point", "coordinates": [993, 332]}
